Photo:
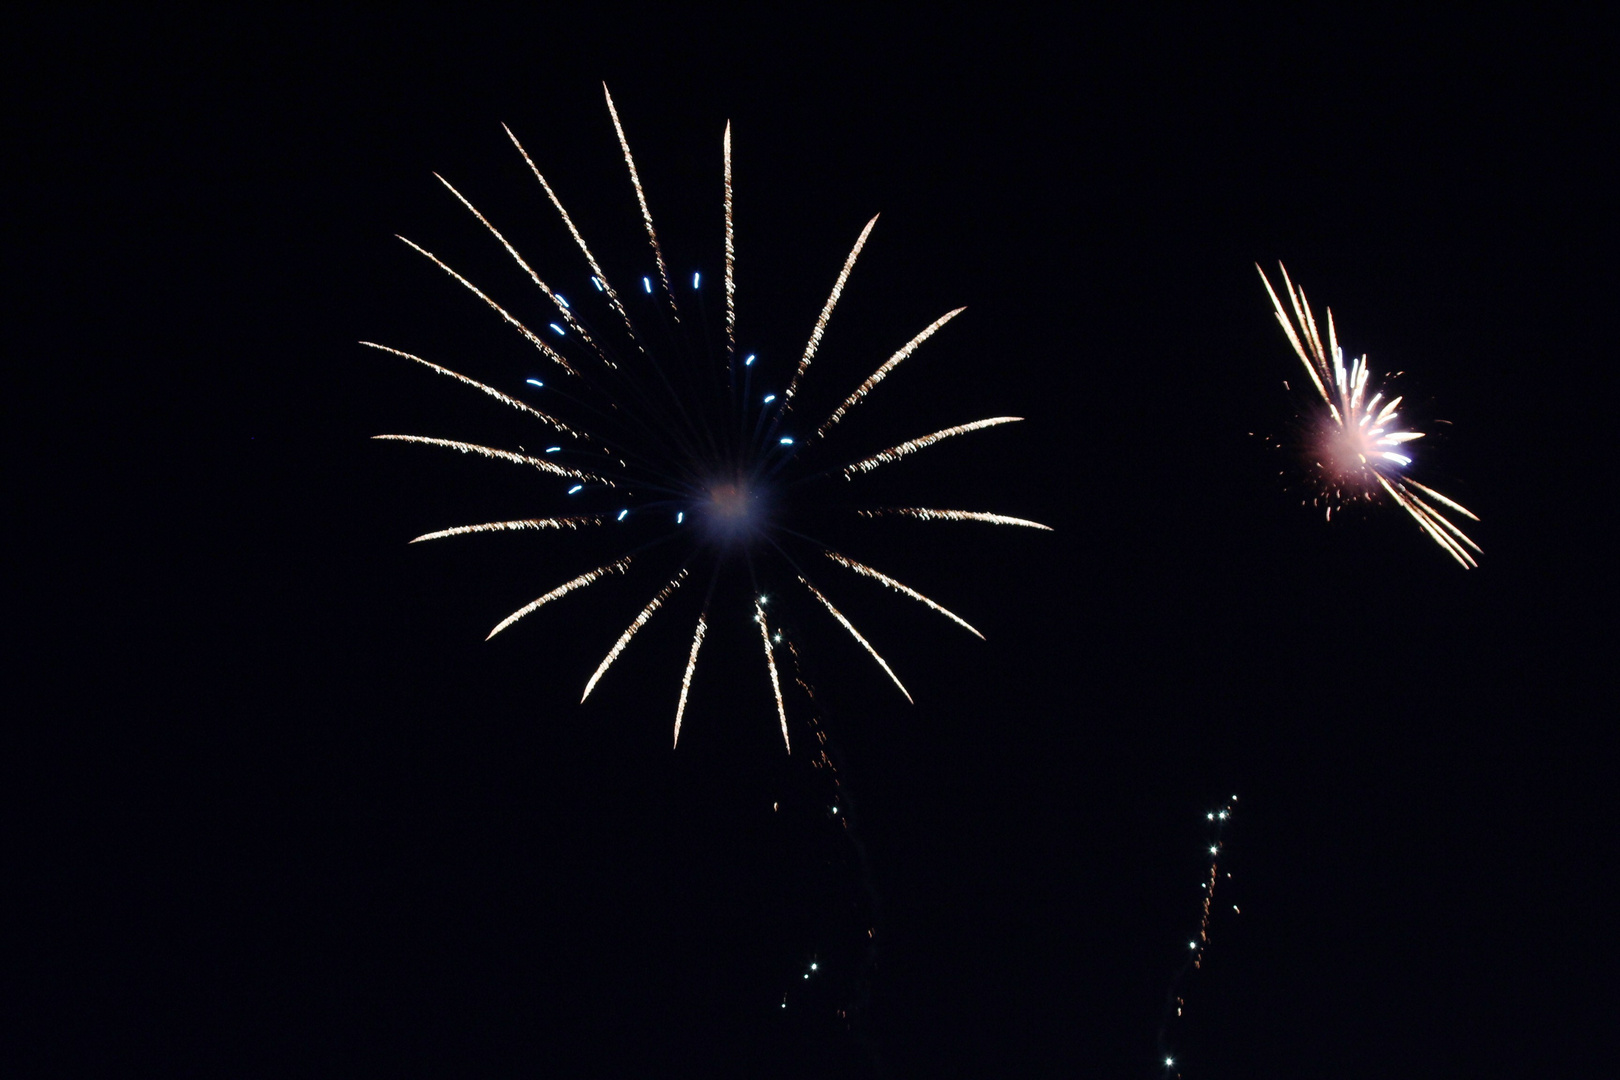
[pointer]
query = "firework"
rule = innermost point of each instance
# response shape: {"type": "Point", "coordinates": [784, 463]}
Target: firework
{"type": "Point", "coordinates": [679, 458]}
{"type": "Point", "coordinates": [1359, 449]}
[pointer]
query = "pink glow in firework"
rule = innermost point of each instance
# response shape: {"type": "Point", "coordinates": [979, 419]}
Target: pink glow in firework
{"type": "Point", "coordinates": [1359, 449]}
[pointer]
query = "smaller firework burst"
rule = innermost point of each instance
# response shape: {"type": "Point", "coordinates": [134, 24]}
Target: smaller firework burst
{"type": "Point", "coordinates": [1359, 452]}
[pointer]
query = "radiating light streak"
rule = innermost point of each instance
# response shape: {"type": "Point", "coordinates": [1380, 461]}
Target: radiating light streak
{"type": "Point", "coordinates": [856, 634]}
{"type": "Point", "coordinates": [534, 339]}
{"type": "Point", "coordinates": [770, 666]}
{"type": "Point", "coordinates": [895, 453]}
{"type": "Point", "coordinates": [691, 666]}
{"type": "Point", "coordinates": [511, 526]}
{"type": "Point", "coordinates": [624, 639]}
{"type": "Point", "coordinates": [876, 575]}
{"type": "Point", "coordinates": [922, 514]}
{"type": "Point", "coordinates": [881, 373]}
{"type": "Point", "coordinates": [1359, 448]}
{"type": "Point", "coordinates": [731, 256]}
{"type": "Point", "coordinates": [501, 455]}
{"type": "Point", "coordinates": [562, 305]}
{"type": "Point", "coordinates": [598, 278]}
{"type": "Point", "coordinates": [589, 578]}
{"type": "Point", "coordinates": [550, 421]}
{"type": "Point", "coordinates": [641, 198]}
{"type": "Point", "coordinates": [826, 312]}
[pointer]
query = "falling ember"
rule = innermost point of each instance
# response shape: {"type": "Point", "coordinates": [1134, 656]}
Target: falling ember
{"type": "Point", "coordinates": [1359, 448]}
{"type": "Point", "coordinates": [770, 665]}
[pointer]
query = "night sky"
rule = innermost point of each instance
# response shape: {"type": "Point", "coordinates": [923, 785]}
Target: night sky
{"type": "Point", "coordinates": [275, 806]}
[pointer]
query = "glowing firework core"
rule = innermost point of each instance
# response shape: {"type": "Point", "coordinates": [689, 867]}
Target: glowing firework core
{"type": "Point", "coordinates": [732, 511]}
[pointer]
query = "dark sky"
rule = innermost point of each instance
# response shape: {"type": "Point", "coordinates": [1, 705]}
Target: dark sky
{"type": "Point", "coordinates": [277, 807]}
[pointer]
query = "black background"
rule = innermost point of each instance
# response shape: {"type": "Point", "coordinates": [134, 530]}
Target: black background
{"type": "Point", "coordinates": [275, 805]}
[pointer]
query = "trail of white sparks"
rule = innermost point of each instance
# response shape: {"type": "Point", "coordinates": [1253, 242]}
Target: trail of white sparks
{"type": "Point", "coordinates": [624, 639]}
{"type": "Point", "coordinates": [596, 269]}
{"type": "Point", "coordinates": [560, 304]}
{"type": "Point", "coordinates": [590, 578]}
{"type": "Point", "coordinates": [691, 666]}
{"type": "Point", "coordinates": [511, 526]}
{"type": "Point", "coordinates": [641, 197]}
{"type": "Point", "coordinates": [881, 373]}
{"type": "Point", "coordinates": [922, 514]}
{"type": "Point", "coordinates": [534, 339]}
{"type": "Point", "coordinates": [502, 455]}
{"type": "Point", "coordinates": [895, 453]}
{"type": "Point", "coordinates": [770, 666]}
{"type": "Point", "coordinates": [826, 313]}
{"type": "Point", "coordinates": [876, 575]}
{"type": "Point", "coordinates": [1344, 392]}
{"type": "Point", "coordinates": [731, 258]}
{"type": "Point", "coordinates": [856, 634]}
{"type": "Point", "coordinates": [504, 399]}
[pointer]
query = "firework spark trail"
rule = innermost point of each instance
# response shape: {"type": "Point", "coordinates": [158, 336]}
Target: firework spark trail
{"type": "Point", "coordinates": [881, 373]}
{"type": "Point", "coordinates": [596, 269]}
{"type": "Point", "coordinates": [875, 575]}
{"type": "Point", "coordinates": [770, 665]}
{"type": "Point", "coordinates": [856, 634]}
{"type": "Point", "coordinates": [641, 197]}
{"type": "Point", "coordinates": [1360, 427]}
{"type": "Point", "coordinates": [826, 314]}
{"type": "Point", "coordinates": [691, 666]}
{"type": "Point", "coordinates": [1175, 1000]}
{"type": "Point", "coordinates": [922, 514]}
{"type": "Point", "coordinates": [502, 455]}
{"type": "Point", "coordinates": [557, 301]}
{"type": "Point", "coordinates": [549, 421]}
{"type": "Point", "coordinates": [624, 639]}
{"type": "Point", "coordinates": [511, 526]}
{"type": "Point", "coordinates": [731, 258]}
{"type": "Point", "coordinates": [534, 339]}
{"type": "Point", "coordinates": [895, 453]}
{"type": "Point", "coordinates": [589, 578]}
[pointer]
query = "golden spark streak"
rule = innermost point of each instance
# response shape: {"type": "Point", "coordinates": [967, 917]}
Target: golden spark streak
{"type": "Point", "coordinates": [546, 350]}
{"type": "Point", "coordinates": [862, 568]}
{"type": "Point", "coordinates": [607, 286]}
{"type": "Point", "coordinates": [894, 453]}
{"type": "Point", "coordinates": [770, 665]}
{"type": "Point", "coordinates": [953, 515]}
{"type": "Point", "coordinates": [881, 373]}
{"type": "Point", "coordinates": [641, 197]}
{"type": "Point", "coordinates": [501, 455]}
{"type": "Point", "coordinates": [856, 634]}
{"type": "Point", "coordinates": [686, 680]}
{"type": "Point", "coordinates": [624, 639]}
{"type": "Point", "coordinates": [550, 421]}
{"type": "Point", "coordinates": [562, 308]}
{"type": "Point", "coordinates": [580, 582]}
{"type": "Point", "coordinates": [731, 258]}
{"type": "Point", "coordinates": [826, 313]}
{"type": "Point", "coordinates": [511, 526]}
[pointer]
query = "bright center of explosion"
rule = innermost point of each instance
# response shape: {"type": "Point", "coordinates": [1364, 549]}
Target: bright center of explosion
{"type": "Point", "coordinates": [732, 511]}
{"type": "Point", "coordinates": [1348, 453]}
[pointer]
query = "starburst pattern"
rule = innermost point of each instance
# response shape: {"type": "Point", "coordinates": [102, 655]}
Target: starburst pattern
{"type": "Point", "coordinates": [672, 449]}
{"type": "Point", "coordinates": [1359, 449]}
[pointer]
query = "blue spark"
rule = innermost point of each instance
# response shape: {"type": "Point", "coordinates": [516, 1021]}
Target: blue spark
{"type": "Point", "coordinates": [576, 489]}
{"type": "Point", "coordinates": [552, 449]}
{"type": "Point", "coordinates": [769, 398]}
{"type": "Point", "coordinates": [680, 517]}
{"type": "Point", "coordinates": [557, 328]}
{"type": "Point", "coordinates": [646, 283]}
{"type": "Point", "coordinates": [696, 277]}
{"type": "Point", "coordinates": [534, 382]}
{"type": "Point", "coordinates": [786, 440]}
{"type": "Point", "coordinates": [560, 299]}
{"type": "Point", "coordinates": [597, 282]}
{"type": "Point", "coordinates": [749, 361]}
{"type": "Point", "coordinates": [622, 513]}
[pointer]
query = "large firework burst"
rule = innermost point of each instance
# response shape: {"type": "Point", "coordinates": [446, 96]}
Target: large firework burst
{"type": "Point", "coordinates": [1358, 450]}
{"type": "Point", "coordinates": [665, 443]}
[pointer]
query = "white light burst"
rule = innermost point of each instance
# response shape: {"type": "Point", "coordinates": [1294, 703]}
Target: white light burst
{"type": "Point", "coordinates": [680, 453]}
{"type": "Point", "coordinates": [1359, 448]}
